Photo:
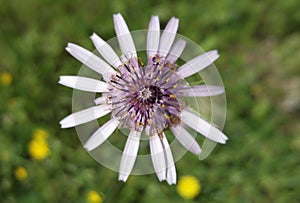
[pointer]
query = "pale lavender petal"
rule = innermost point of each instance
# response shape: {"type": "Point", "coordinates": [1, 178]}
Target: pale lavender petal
{"type": "Point", "coordinates": [168, 37]}
{"type": "Point", "coordinates": [162, 159]}
{"type": "Point", "coordinates": [129, 155]}
{"type": "Point", "coordinates": [157, 156]}
{"type": "Point", "coordinates": [186, 139]}
{"type": "Point", "coordinates": [124, 37]}
{"type": "Point", "coordinates": [106, 51]}
{"type": "Point", "coordinates": [85, 116]}
{"type": "Point", "coordinates": [171, 171]}
{"type": "Point", "coordinates": [89, 59]}
{"type": "Point", "coordinates": [203, 127]}
{"type": "Point", "coordinates": [197, 64]}
{"type": "Point", "coordinates": [176, 51]}
{"type": "Point", "coordinates": [101, 134]}
{"type": "Point", "coordinates": [153, 37]}
{"type": "Point", "coordinates": [83, 83]}
{"type": "Point", "coordinates": [101, 100]}
{"type": "Point", "coordinates": [201, 91]}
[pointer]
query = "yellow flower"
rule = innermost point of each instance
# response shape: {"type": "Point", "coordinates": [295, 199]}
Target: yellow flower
{"type": "Point", "coordinates": [94, 197]}
{"type": "Point", "coordinates": [38, 147]}
{"type": "Point", "coordinates": [20, 173]}
{"type": "Point", "coordinates": [40, 134]}
{"type": "Point", "coordinates": [6, 78]}
{"type": "Point", "coordinates": [188, 187]}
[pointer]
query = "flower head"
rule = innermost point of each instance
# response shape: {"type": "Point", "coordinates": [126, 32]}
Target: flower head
{"type": "Point", "coordinates": [6, 78]}
{"type": "Point", "coordinates": [40, 134]}
{"type": "Point", "coordinates": [188, 187]}
{"type": "Point", "coordinates": [142, 97]}
{"type": "Point", "coordinates": [94, 197]}
{"type": "Point", "coordinates": [21, 173]}
{"type": "Point", "coordinates": [38, 147]}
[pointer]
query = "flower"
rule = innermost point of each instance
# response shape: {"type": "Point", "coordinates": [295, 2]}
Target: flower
{"type": "Point", "coordinates": [21, 173]}
{"type": "Point", "coordinates": [6, 78]}
{"type": "Point", "coordinates": [94, 197]}
{"type": "Point", "coordinates": [38, 147]}
{"type": "Point", "coordinates": [188, 187]}
{"type": "Point", "coordinates": [40, 134]}
{"type": "Point", "coordinates": [142, 97]}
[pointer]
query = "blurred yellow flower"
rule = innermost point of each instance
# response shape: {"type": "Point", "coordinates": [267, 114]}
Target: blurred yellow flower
{"type": "Point", "coordinates": [6, 78]}
{"type": "Point", "coordinates": [188, 187]}
{"type": "Point", "coordinates": [21, 173]}
{"type": "Point", "coordinates": [40, 134]}
{"type": "Point", "coordinates": [94, 197]}
{"type": "Point", "coordinates": [38, 147]}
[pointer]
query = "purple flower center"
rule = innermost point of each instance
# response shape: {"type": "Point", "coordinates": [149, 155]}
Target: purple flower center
{"type": "Point", "coordinates": [146, 95]}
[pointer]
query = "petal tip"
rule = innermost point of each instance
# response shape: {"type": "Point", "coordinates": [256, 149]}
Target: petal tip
{"type": "Point", "coordinates": [117, 15]}
{"type": "Point", "coordinates": [63, 125]}
{"type": "Point", "coordinates": [88, 147]}
{"type": "Point", "coordinates": [68, 49]}
{"type": "Point", "coordinates": [123, 177]}
{"type": "Point", "coordinates": [93, 35]}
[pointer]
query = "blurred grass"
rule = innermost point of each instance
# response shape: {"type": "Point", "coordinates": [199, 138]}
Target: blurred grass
{"type": "Point", "coordinates": [259, 45]}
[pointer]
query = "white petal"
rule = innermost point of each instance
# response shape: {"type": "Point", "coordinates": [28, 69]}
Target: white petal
{"type": "Point", "coordinates": [153, 37]}
{"type": "Point", "coordinates": [124, 37]}
{"type": "Point", "coordinates": [203, 127]}
{"type": "Point", "coordinates": [168, 37]}
{"type": "Point", "coordinates": [186, 139]}
{"type": "Point", "coordinates": [162, 159]}
{"type": "Point", "coordinates": [100, 100]}
{"type": "Point", "coordinates": [101, 134]}
{"type": "Point", "coordinates": [83, 83]}
{"type": "Point", "coordinates": [89, 59]}
{"type": "Point", "coordinates": [176, 51]}
{"type": "Point", "coordinates": [106, 51]}
{"type": "Point", "coordinates": [129, 155]}
{"type": "Point", "coordinates": [157, 156]}
{"type": "Point", "coordinates": [85, 116]}
{"type": "Point", "coordinates": [171, 171]}
{"type": "Point", "coordinates": [197, 64]}
{"type": "Point", "coordinates": [201, 91]}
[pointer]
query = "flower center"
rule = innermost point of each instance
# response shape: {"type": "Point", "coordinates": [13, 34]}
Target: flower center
{"type": "Point", "coordinates": [145, 94]}
{"type": "Point", "coordinates": [150, 94]}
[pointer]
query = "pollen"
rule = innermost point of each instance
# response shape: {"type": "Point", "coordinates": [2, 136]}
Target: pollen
{"type": "Point", "coordinates": [166, 116]}
{"type": "Point", "coordinates": [172, 96]}
{"type": "Point", "coordinates": [140, 61]}
{"type": "Point", "coordinates": [168, 79]}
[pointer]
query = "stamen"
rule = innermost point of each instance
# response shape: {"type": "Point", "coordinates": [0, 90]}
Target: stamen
{"type": "Point", "coordinates": [166, 116]}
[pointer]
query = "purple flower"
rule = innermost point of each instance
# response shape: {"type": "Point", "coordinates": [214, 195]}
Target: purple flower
{"type": "Point", "coordinates": [144, 97]}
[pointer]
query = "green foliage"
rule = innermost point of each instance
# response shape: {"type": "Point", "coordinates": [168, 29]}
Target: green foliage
{"type": "Point", "coordinates": [259, 46]}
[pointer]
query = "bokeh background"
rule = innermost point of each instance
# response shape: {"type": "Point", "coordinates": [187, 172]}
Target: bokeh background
{"type": "Point", "coordinates": [260, 65]}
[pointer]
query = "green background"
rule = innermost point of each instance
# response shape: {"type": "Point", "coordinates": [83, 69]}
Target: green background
{"type": "Point", "coordinates": [260, 65]}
